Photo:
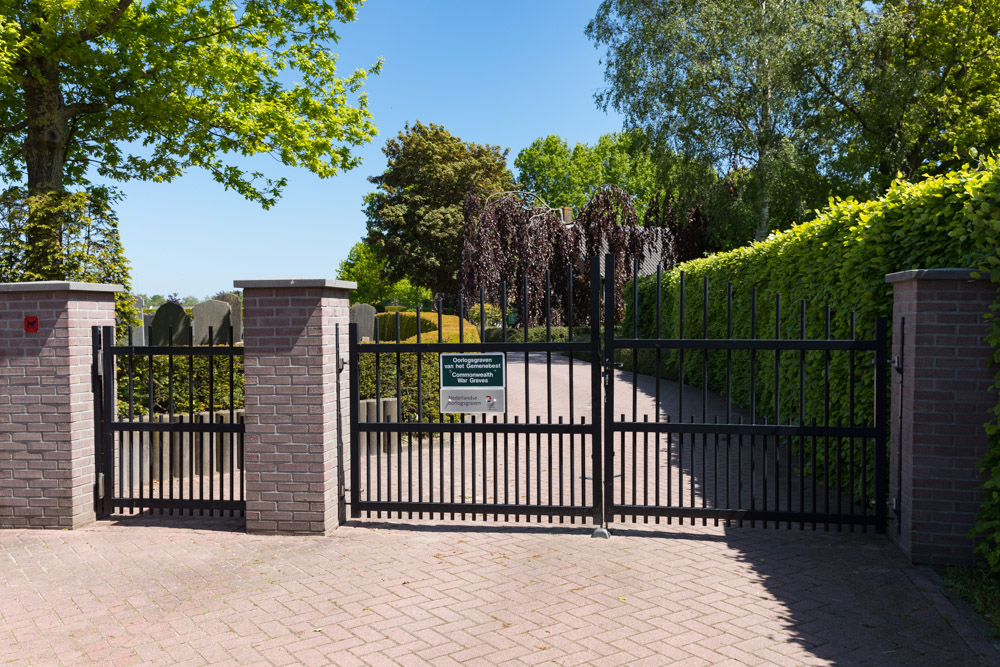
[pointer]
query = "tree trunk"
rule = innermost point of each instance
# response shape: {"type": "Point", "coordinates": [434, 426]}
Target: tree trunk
{"type": "Point", "coordinates": [48, 128]}
{"type": "Point", "coordinates": [45, 144]}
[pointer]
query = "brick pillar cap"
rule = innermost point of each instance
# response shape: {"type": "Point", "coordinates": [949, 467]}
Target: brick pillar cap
{"type": "Point", "coordinates": [59, 286]}
{"type": "Point", "coordinates": [295, 282]}
{"type": "Point", "coordinates": [931, 274]}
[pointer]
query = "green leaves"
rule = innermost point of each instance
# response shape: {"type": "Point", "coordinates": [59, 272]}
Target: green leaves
{"type": "Point", "coordinates": [187, 83]}
{"type": "Point", "coordinates": [415, 215]}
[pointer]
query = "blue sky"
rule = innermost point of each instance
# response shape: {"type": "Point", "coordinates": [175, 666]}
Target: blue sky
{"type": "Point", "coordinates": [503, 73]}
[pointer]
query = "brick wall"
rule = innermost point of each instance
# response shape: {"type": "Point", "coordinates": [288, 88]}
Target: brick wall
{"type": "Point", "coordinates": [47, 447]}
{"type": "Point", "coordinates": [938, 438]}
{"type": "Point", "coordinates": [291, 370]}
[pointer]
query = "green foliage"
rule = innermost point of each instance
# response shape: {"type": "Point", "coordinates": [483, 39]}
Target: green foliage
{"type": "Point", "coordinates": [901, 87]}
{"type": "Point", "coordinates": [368, 270]}
{"type": "Point", "coordinates": [489, 313]}
{"type": "Point", "coordinates": [395, 309]}
{"type": "Point", "coordinates": [147, 90]}
{"type": "Point", "coordinates": [980, 587]}
{"type": "Point", "coordinates": [415, 214]}
{"type": "Point", "coordinates": [450, 327]}
{"type": "Point", "coordinates": [210, 379]}
{"type": "Point", "coordinates": [537, 335]}
{"type": "Point", "coordinates": [564, 177]}
{"type": "Point", "coordinates": [718, 79]}
{"type": "Point", "coordinates": [89, 248]}
{"type": "Point", "coordinates": [839, 259]}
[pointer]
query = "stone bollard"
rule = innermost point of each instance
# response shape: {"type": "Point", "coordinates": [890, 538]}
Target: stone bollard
{"type": "Point", "coordinates": [390, 412]}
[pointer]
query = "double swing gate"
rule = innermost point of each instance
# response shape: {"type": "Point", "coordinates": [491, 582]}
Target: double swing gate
{"type": "Point", "coordinates": [726, 409]}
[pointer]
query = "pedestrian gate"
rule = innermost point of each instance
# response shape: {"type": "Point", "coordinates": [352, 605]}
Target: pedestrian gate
{"type": "Point", "coordinates": [749, 425]}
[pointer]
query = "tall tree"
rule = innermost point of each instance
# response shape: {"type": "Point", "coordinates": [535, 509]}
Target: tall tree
{"type": "Point", "coordinates": [564, 177]}
{"type": "Point", "coordinates": [713, 78]}
{"type": "Point", "coordinates": [415, 215]}
{"type": "Point", "coordinates": [127, 90]}
{"type": "Point", "coordinates": [901, 87]}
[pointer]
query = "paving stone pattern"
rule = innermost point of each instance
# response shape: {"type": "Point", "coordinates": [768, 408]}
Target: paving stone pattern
{"type": "Point", "coordinates": [183, 591]}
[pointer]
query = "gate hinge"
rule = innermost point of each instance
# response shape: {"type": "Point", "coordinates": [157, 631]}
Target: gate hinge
{"type": "Point", "coordinates": [100, 363]}
{"type": "Point", "coordinates": [897, 363]}
{"type": "Point", "coordinates": [100, 485]}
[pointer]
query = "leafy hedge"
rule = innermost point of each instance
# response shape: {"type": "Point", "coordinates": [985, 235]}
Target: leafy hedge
{"type": "Point", "coordinates": [216, 368]}
{"type": "Point", "coordinates": [839, 259]}
{"type": "Point", "coordinates": [407, 364]}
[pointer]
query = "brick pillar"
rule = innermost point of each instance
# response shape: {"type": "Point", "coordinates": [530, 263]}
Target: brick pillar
{"type": "Point", "coordinates": [289, 329]}
{"type": "Point", "coordinates": [938, 438]}
{"type": "Point", "coordinates": [47, 440]}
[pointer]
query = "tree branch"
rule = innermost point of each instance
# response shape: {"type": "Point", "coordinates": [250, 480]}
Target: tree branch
{"type": "Point", "coordinates": [109, 23]}
{"type": "Point", "coordinates": [8, 129]}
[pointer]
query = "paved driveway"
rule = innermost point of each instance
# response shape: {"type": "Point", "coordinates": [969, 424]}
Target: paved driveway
{"type": "Point", "coordinates": [180, 591]}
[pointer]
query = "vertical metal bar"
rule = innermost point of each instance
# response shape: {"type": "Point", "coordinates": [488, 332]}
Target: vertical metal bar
{"type": "Point", "coordinates": [527, 355]}
{"type": "Point", "coordinates": [850, 442]}
{"type": "Point", "coordinates": [704, 354]}
{"type": "Point", "coordinates": [753, 401]}
{"type": "Point", "coordinates": [826, 419]}
{"type": "Point", "coordinates": [548, 375]}
{"type": "Point", "coordinates": [881, 415]}
{"type": "Point", "coordinates": [635, 376]}
{"type": "Point", "coordinates": [341, 499]}
{"type": "Point", "coordinates": [517, 469]}
{"type": "Point", "coordinates": [802, 413]}
{"type": "Point", "coordinates": [191, 443]}
{"type": "Point", "coordinates": [132, 456]}
{"type": "Point", "coordinates": [597, 446]}
{"type": "Point", "coordinates": [777, 407]}
{"type": "Point", "coordinates": [354, 365]}
{"type": "Point", "coordinates": [170, 411]}
{"type": "Point", "coordinates": [739, 473]}
{"type": "Point", "coordinates": [399, 437]}
{"type": "Point", "coordinates": [657, 397]}
{"type": "Point", "coordinates": [569, 323]}
{"type": "Point", "coordinates": [420, 418]}
{"type": "Point", "coordinates": [232, 420]}
{"type": "Point", "coordinates": [376, 436]}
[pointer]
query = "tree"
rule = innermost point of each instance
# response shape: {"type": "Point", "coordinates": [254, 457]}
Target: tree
{"type": "Point", "coordinates": [89, 248]}
{"type": "Point", "coordinates": [415, 214]}
{"type": "Point", "coordinates": [127, 90]}
{"type": "Point", "coordinates": [564, 177]}
{"type": "Point", "coordinates": [715, 79]}
{"type": "Point", "coordinates": [902, 87]}
{"type": "Point", "coordinates": [367, 269]}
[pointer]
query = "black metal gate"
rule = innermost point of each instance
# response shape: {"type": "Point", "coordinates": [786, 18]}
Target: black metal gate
{"type": "Point", "coordinates": [169, 426]}
{"type": "Point", "coordinates": [638, 450]}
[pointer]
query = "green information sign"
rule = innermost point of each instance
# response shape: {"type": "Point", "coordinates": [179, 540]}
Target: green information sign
{"type": "Point", "coordinates": [473, 382]}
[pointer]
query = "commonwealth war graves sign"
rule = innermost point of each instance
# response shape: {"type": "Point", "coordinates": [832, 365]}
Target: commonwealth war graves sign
{"type": "Point", "coordinates": [473, 382]}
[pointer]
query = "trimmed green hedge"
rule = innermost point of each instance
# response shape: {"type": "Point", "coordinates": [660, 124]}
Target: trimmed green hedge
{"type": "Point", "coordinates": [839, 259]}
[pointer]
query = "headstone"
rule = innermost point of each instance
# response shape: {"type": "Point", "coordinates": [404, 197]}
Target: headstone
{"type": "Point", "coordinates": [211, 316]}
{"type": "Point", "coordinates": [364, 315]}
{"type": "Point", "coordinates": [236, 314]}
{"type": "Point", "coordinates": [139, 332]}
{"type": "Point", "coordinates": [169, 317]}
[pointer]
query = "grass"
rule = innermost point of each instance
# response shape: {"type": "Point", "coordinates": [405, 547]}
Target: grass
{"type": "Point", "coordinates": [979, 587]}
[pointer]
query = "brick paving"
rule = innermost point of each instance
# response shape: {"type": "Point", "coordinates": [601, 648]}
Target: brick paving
{"type": "Point", "coordinates": [192, 591]}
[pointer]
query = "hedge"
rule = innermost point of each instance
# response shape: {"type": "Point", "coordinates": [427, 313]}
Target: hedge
{"type": "Point", "coordinates": [183, 402]}
{"type": "Point", "coordinates": [839, 259]}
{"type": "Point", "coordinates": [407, 364]}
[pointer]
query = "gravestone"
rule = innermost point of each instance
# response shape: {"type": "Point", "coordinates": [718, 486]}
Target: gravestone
{"type": "Point", "coordinates": [235, 314]}
{"type": "Point", "coordinates": [364, 315]}
{"type": "Point", "coordinates": [139, 331]}
{"type": "Point", "coordinates": [169, 316]}
{"type": "Point", "coordinates": [211, 315]}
